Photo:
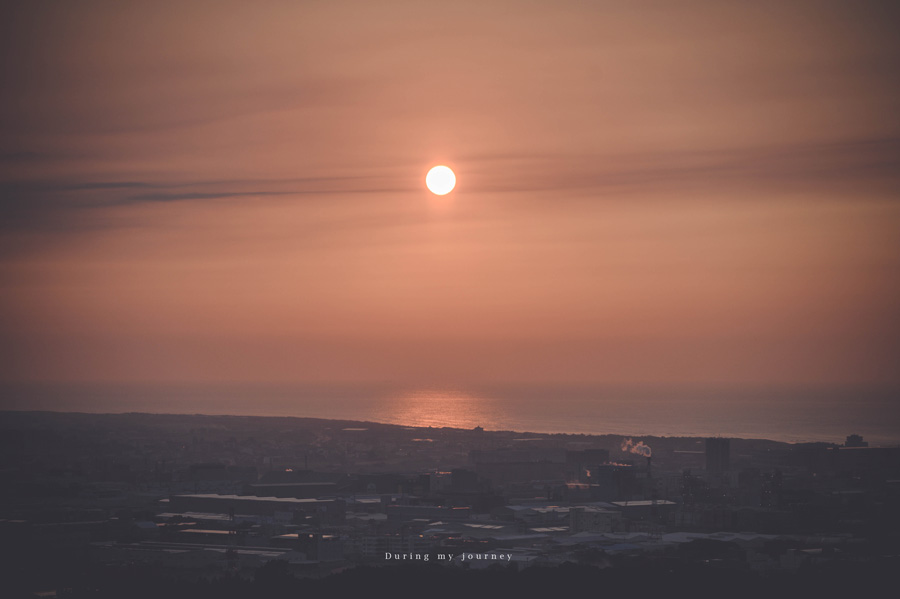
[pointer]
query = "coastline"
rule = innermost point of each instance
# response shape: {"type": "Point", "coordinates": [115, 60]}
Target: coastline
{"type": "Point", "coordinates": [791, 415]}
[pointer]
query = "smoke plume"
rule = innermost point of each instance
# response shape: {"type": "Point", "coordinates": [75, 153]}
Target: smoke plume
{"type": "Point", "coordinates": [638, 448]}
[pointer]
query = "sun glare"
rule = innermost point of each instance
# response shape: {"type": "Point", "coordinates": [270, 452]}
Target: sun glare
{"type": "Point", "coordinates": [440, 180]}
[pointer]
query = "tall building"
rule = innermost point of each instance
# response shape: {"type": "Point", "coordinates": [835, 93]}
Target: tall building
{"type": "Point", "coordinates": [718, 454]}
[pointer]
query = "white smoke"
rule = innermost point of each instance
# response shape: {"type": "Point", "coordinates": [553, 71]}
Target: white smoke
{"type": "Point", "coordinates": [639, 448]}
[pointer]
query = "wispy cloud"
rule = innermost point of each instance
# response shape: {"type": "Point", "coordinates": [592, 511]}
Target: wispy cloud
{"type": "Point", "coordinates": [865, 163]}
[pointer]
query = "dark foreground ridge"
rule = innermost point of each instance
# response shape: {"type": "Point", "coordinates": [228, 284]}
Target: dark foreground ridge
{"type": "Point", "coordinates": [638, 579]}
{"type": "Point", "coordinates": [144, 505]}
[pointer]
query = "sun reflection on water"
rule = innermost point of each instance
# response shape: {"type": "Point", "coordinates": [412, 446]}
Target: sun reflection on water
{"type": "Point", "coordinates": [439, 408]}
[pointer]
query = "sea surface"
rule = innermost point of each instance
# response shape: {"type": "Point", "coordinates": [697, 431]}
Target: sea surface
{"type": "Point", "coordinates": [791, 415]}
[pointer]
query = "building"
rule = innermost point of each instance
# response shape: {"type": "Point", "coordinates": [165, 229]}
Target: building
{"type": "Point", "coordinates": [595, 519]}
{"type": "Point", "coordinates": [718, 455]}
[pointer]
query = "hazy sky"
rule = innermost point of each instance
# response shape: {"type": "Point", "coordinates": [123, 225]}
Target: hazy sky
{"type": "Point", "coordinates": [652, 192]}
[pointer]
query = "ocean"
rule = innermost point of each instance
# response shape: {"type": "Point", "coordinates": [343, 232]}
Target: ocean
{"type": "Point", "coordinates": [780, 414]}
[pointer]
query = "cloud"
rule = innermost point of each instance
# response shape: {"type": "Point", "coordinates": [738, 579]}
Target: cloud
{"type": "Point", "coordinates": [862, 162]}
{"type": "Point", "coordinates": [177, 197]}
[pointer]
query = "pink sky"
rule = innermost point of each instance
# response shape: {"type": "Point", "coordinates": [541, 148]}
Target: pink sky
{"type": "Point", "coordinates": [647, 193]}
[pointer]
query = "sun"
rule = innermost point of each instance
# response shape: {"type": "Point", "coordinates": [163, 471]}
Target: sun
{"type": "Point", "coordinates": [440, 180]}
